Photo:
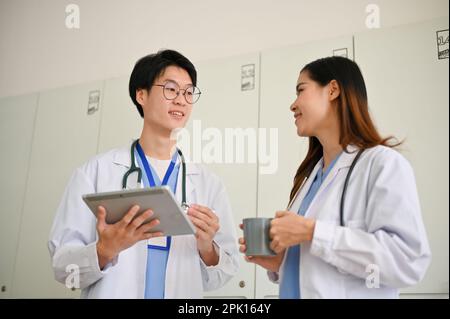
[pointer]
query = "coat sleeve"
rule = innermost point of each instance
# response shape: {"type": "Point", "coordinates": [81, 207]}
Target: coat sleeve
{"type": "Point", "coordinates": [73, 237]}
{"type": "Point", "coordinates": [225, 240]}
{"type": "Point", "coordinates": [393, 242]}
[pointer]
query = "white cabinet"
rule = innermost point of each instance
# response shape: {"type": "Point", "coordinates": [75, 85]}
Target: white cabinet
{"type": "Point", "coordinates": [225, 116]}
{"type": "Point", "coordinates": [64, 137]}
{"type": "Point", "coordinates": [120, 121]}
{"type": "Point", "coordinates": [17, 115]}
{"type": "Point", "coordinates": [407, 87]}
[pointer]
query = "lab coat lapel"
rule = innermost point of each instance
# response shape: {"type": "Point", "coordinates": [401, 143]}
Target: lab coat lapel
{"type": "Point", "coordinates": [122, 156]}
{"type": "Point", "coordinates": [294, 206]}
{"type": "Point", "coordinates": [344, 161]}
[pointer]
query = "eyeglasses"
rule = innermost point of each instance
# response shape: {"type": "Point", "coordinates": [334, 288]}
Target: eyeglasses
{"type": "Point", "coordinates": [171, 90]}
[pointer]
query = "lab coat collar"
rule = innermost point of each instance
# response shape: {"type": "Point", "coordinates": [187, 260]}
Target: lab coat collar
{"type": "Point", "coordinates": [344, 161]}
{"type": "Point", "coordinates": [346, 158]}
{"type": "Point", "coordinates": [122, 157]}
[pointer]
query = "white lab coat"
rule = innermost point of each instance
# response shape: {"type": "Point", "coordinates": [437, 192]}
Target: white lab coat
{"type": "Point", "coordinates": [73, 236]}
{"type": "Point", "coordinates": [383, 231]}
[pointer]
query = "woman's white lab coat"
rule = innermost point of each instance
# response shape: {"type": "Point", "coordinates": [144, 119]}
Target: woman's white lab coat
{"type": "Point", "coordinates": [73, 236]}
{"type": "Point", "coordinates": [383, 234]}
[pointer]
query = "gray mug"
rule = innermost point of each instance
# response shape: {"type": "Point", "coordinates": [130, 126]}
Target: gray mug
{"type": "Point", "coordinates": [256, 236]}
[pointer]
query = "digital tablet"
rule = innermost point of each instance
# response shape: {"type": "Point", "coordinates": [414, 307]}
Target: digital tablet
{"type": "Point", "coordinates": [173, 220]}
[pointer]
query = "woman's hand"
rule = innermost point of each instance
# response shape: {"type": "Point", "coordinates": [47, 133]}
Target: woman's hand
{"type": "Point", "coordinates": [271, 263]}
{"type": "Point", "coordinates": [207, 225]}
{"type": "Point", "coordinates": [113, 238]}
{"type": "Point", "coordinates": [289, 229]}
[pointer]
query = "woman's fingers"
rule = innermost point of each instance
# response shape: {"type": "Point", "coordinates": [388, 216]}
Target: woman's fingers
{"type": "Point", "coordinates": [242, 247]}
{"type": "Point", "coordinates": [269, 263]}
{"type": "Point", "coordinates": [253, 259]}
{"type": "Point", "coordinates": [274, 246]}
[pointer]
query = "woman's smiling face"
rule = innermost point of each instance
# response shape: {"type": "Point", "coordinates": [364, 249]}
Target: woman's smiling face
{"type": "Point", "coordinates": [313, 110]}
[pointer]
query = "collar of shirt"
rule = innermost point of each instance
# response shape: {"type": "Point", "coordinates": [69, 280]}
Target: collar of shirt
{"type": "Point", "coordinates": [321, 175]}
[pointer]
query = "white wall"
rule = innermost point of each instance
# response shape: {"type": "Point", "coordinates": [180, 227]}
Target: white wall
{"type": "Point", "coordinates": [38, 52]}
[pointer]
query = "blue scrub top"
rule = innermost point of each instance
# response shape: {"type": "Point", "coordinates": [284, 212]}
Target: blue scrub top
{"type": "Point", "coordinates": [157, 256]}
{"type": "Point", "coordinates": [290, 283]}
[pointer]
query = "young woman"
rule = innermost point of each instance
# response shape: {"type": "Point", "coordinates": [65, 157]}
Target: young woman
{"type": "Point", "coordinates": [129, 259]}
{"type": "Point", "coordinates": [353, 228]}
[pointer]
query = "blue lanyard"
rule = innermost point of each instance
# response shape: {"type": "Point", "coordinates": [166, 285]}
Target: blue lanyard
{"type": "Point", "coordinates": [148, 171]}
{"type": "Point", "coordinates": [152, 182]}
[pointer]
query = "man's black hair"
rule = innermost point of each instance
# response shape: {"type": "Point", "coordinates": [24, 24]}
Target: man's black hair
{"type": "Point", "coordinates": [150, 67]}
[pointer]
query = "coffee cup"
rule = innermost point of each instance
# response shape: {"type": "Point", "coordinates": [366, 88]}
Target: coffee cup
{"type": "Point", "coordinates": [256, 236]}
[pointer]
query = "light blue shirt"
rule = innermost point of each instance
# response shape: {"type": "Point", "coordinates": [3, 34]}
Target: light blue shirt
{"type": "Point", "coordinates": [289, 285]}
{"type": "Point", "coordinates": [156, 256]}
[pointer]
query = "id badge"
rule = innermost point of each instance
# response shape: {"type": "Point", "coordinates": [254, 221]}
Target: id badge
{"type": "Point", "coordinates": [161, 243]}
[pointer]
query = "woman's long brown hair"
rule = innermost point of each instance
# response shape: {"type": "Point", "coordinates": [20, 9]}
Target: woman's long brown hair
{"type": "Point", "coordinates": [355, 125]}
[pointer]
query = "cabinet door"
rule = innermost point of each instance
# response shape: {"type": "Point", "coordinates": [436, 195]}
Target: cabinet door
{"type": "Point", "coordinates": [120, 122]}
{"type": "Point", "coordinates": [407, 86]}
{"type": "Point", "coordinates": [65, 136]}
{"type": "Point", "coordinates": [227, 116]}
{"type": "Point", "coordinates": [280, 69]}
{"type": "Point", "coordinates": [17, 116]}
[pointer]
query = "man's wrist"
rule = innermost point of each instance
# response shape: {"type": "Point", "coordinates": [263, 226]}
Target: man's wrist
{"type": "Point", "coordinates": [209, 255]}
{"type": "Point", "coordinates": [104, 256]}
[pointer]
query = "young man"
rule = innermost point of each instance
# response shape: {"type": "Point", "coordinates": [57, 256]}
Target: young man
{"type": "Point", "coordinates": [127, 259]}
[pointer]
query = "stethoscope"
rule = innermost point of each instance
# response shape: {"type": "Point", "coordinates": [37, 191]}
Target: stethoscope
{"type": "Point", "coordinates": [344, 191]}
{"type": "Point", "coordinates": [341, 211]}
{"type": "Point", "coordinates": [135, 169]}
